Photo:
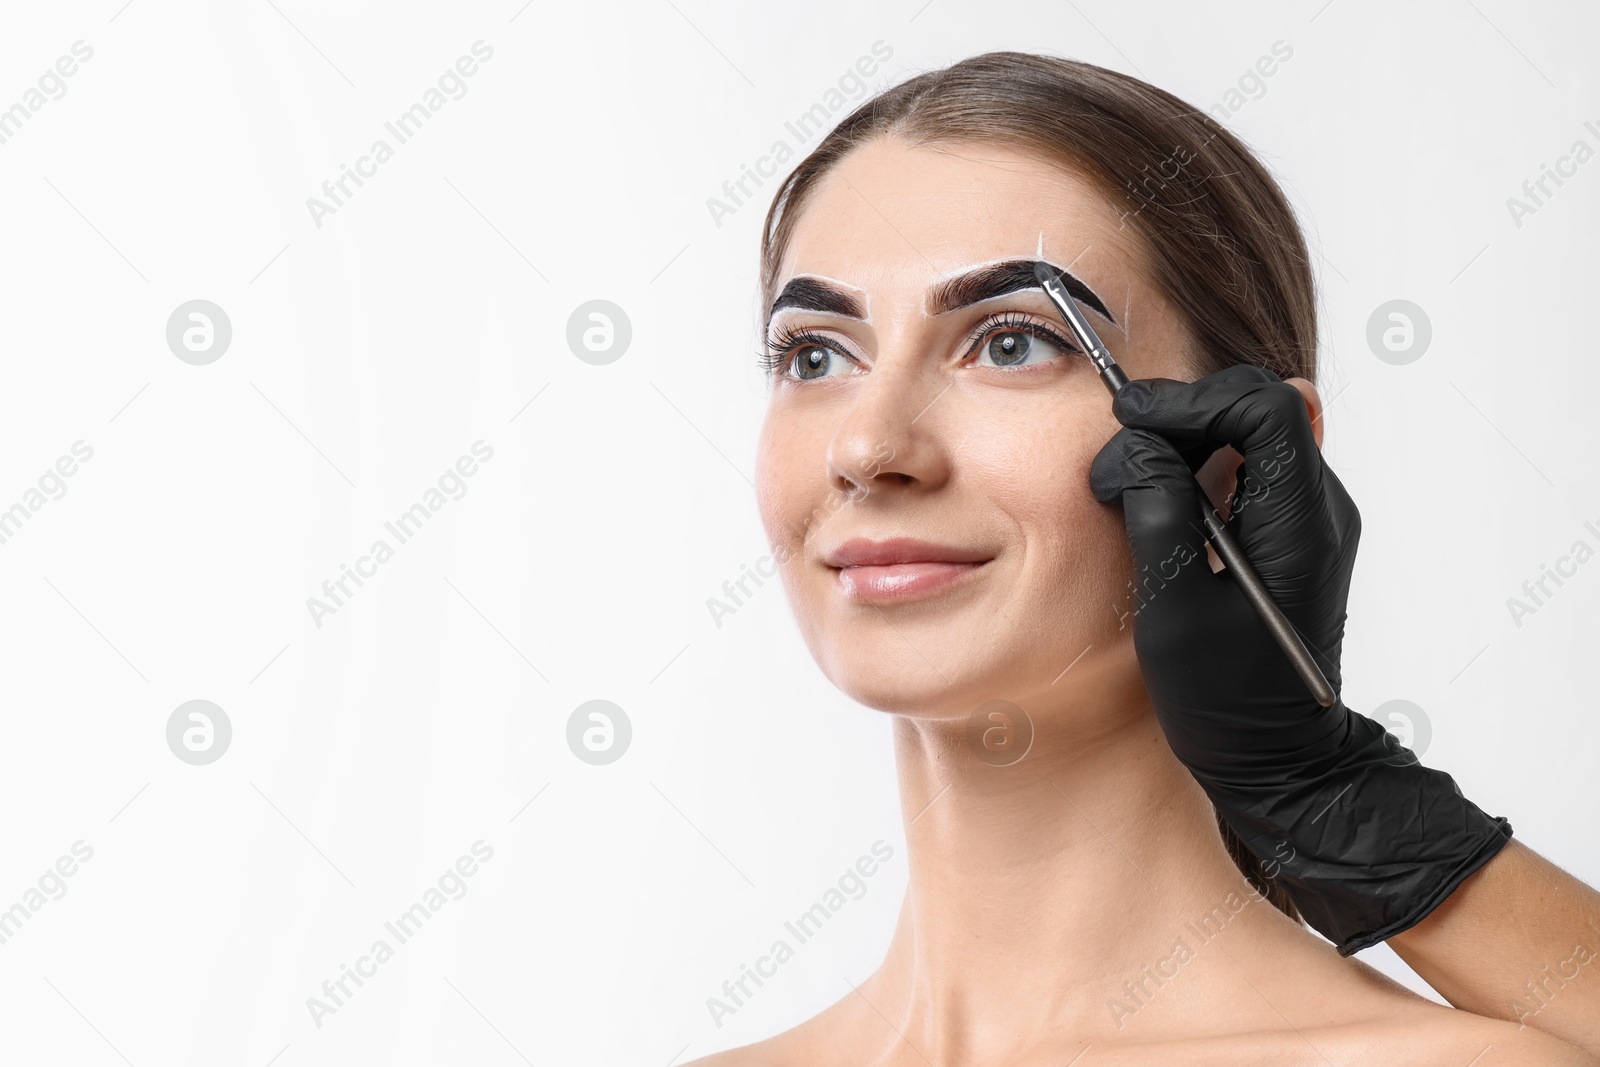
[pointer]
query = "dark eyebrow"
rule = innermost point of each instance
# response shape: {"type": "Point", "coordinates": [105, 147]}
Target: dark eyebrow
{"type": "Point", "coordinates": [812, 294]}
{"type": "Point", "coordinates": [984, 283]}
{"type": "Point", "coordinates": [998, 279]}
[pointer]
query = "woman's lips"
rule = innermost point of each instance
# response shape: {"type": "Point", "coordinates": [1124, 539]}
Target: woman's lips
{"type": "Point", "coordinates": [900, 568]}
{"type": "Point", "coordinates": [901, 581]}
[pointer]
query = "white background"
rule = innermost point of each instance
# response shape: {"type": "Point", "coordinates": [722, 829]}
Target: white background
{"type": "Point", "coordinates": [372, 351]}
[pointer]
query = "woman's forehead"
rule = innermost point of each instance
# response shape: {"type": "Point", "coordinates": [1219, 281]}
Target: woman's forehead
{"type": "Point", "coordinates": [892, 219]}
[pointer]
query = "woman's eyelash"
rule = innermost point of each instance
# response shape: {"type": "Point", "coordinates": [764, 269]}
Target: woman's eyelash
{"type": "Point", "coordinates": [1021, 322]}
{"type": "Point", "coordinates": [780, 351]}
{"type": "Point", "coordinates": [778, 355]}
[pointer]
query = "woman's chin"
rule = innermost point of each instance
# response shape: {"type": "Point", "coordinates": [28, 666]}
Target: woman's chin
{"type": "Point", "coordinates": [914, 687]}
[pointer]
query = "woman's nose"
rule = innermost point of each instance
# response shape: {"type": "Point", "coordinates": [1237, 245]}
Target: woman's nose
{"type": "Point", "coordinates": [889, 435]}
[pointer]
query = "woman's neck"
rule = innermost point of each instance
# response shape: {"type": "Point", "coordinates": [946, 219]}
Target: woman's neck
{"type": "Point", "coordinates": [1038, 889]}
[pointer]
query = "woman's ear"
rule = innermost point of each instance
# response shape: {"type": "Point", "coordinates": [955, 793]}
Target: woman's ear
{"type": "Point", "coordinates": [1313, 405]}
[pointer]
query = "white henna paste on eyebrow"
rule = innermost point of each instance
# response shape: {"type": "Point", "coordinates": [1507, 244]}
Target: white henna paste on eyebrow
{"type": "Point", "coordinates": [971, 267]}
{"type": "Point", "coordinates": [958, 270]}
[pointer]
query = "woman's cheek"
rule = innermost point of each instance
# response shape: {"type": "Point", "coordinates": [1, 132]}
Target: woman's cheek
{"type": "Point", "coordinates": [790, 487]}
{"type": "Point", "coordinates": [1104, 556]}
{"type": "Point", "coordinates": [1080, 541]}
{"type": "Point", "coordinates": [778, 485]}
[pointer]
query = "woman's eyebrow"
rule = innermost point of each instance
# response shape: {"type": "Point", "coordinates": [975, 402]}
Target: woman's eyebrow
{"type": "Point", "coordinates": [1008, 276]}
{"type": "Point", "coordinates": [814, 294]}
{"type": "Point", "coordinates": [970, 287]}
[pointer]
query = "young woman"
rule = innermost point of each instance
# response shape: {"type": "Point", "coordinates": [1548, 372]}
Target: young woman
{"type": "Point", "coordinates": [941, 471]}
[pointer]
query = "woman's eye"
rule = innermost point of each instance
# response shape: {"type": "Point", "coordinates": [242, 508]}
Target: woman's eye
{"type": "Point", "coordinates": [1011, 348]}
{"type": "Point", "coordinates": [816, 361]}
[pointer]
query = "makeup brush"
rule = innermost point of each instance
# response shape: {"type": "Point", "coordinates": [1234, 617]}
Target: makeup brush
{"type": "Point", "coordinates": [1221, 540]}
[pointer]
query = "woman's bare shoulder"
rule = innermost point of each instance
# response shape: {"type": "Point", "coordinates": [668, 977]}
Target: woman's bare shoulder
{"type": "Point", "coordinates": [1344, 1011]}
{"type": "Point", "coordinates": [817, 1040]}
{"type": "Point", "coordinates": [1420, 1039]}
{"type": "Point", "coordinates": [757, 1055]}
{"type": "Point", "coordinates": [792, 1048]}
{"type": "Point", "coordinates": [1436, 1034]}
{"type": "Point", "coordinates": [1396, 1028]}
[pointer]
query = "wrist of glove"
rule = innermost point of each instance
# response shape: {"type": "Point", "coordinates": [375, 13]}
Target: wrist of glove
{"type": "Point", "coordinates": [1365, 839]}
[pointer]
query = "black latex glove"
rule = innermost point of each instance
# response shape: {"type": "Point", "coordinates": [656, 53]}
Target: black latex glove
{"type": "Point", "coordinates": [1365, 839]}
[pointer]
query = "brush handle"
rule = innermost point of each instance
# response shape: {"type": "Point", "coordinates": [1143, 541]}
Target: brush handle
{"type": "Point", "coordinates": [1282, 629]}
{"type": "Point", "coordinates": [1365, 839]}
{"type": "Point", "coordinates": [1232, 556]}
{"type": "Point", "coordinates": [1110, 372]}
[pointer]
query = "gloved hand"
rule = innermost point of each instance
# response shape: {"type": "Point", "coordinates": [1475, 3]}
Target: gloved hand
{"type": "Point", "coordinates": [1365, 839]}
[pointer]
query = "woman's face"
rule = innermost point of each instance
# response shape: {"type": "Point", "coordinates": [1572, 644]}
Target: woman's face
{"type": "Point", "coordinates": [913, 421]}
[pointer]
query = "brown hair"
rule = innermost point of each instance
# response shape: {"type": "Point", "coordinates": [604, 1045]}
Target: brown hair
{"type": "Point", "coordinates": [1221, 239]}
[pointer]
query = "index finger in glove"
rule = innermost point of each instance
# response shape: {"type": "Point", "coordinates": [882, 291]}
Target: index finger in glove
{"type": "Point", "coordinates": [1161, 507]}
{"type": "Point", "coordinates": [1285, 493]}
